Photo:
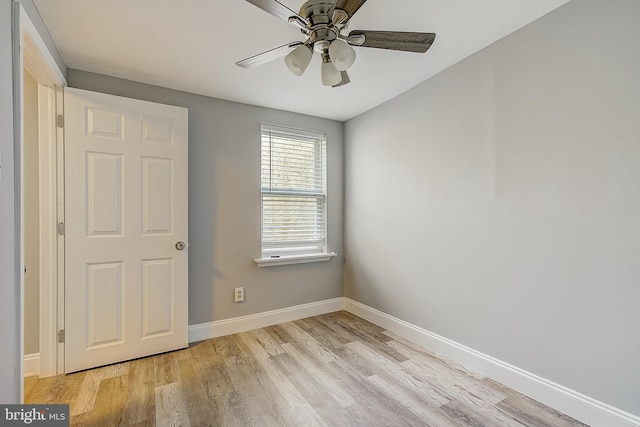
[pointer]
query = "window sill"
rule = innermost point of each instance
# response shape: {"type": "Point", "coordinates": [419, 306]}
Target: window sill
{"type": "Point", "coordinates": [294, 259]}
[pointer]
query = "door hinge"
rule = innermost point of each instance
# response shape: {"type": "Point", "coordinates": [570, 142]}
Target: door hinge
{"type": "Point", "coordinates": [60, 121]}
{"type": "Point", "coordinates": [61, 336]}
{"type": "Point", "coordinates": [61, 228]}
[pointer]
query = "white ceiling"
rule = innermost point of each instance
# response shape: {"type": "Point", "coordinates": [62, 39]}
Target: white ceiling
{"type": "Point", "coordinates": [192, 45]}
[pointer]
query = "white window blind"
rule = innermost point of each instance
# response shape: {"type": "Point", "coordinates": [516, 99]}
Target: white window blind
{"type": "Point", "coordinates": [293, 186]}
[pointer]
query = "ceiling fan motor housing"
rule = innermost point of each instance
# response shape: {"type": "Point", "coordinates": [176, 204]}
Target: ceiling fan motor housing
{"type": "Point", "coordinates": [316, 11]}
{"type": "Point", "coordinates": [320, 27]}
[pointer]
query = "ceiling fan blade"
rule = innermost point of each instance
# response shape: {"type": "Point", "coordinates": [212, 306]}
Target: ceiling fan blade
{"type": "Point", "coordinates": [344, 81]}
{"type": "Point", "coordinates": [277, 9]}
{"type": "Point", "coordinates": [394, 40]}
{"type": "Point", "coordinates": [349, 6]}
{"type": "Point", "coordinates": [268, 56]}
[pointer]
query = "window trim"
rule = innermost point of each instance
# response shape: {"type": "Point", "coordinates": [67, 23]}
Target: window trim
{"type": "Point", "coordinates": [294, 259]}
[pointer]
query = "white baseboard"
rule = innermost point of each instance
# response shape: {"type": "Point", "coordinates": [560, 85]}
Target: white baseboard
{"type": "Point", "coordinates": [567, 401]}
{"type": "Point", "coordinates": [31, 364]}
{"type": "Point", "coordinates": [220, 328]}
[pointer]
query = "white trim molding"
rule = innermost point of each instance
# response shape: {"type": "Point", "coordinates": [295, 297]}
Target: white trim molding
{"type": "Point", "coordinates": [31, 364]}
{"type": "Point", "coordinates": [36, 57]}
{"type": "Point", "coordinates": [48, 172]}
{"type": "Point", "coordinates": [565, 400]}
{"type": "Point", "coordinates": [293, 259]}
{"type": "Point", "coordinates": [235, 325]}
{"type": "Point", "coordinates": [43, 58]}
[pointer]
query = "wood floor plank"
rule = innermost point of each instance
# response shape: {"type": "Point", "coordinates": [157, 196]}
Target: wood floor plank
{"type": "Point", "coordinates": [202, 350]}
{"type": "Point", "coordinates": [30, 384]}
{"type": "Point", "coordinates": [109, 402]}
{"type": "Point", "coordinates": [314, 368]}
{"type": "Point", "coordinates": [140, 402]}
{"type": "Point", "coordinates": [370, 335]}
{"type": "Point", "coordinates": [210, 366]}
{"type": "Point", "coordinates": [421, 390]}
{"type": "Point", "coordinates": [419, 352]}
{"type": "Point", "coordinates": [166, 369]}
{"type": "Point", "coordinates": [115, 370]}
{"type": "Point", "coordinates": [478, 413]}
{"type": "Point", "coordinates": [278, 335]}
{"type": "Point", "coordinates": [297, 334]}
{"type": "Point", "coordinates": [530, 411]}
{"type": "Point", "coordinates": [147, 423]}
{"type": "Point", "coordinates": [69, 389]}
{"type": "Point", "coordinates": [252, 400]}
{"type": "Point", "coordinates": [424, 410]}
{"type": "Point", "coordinates": [460, 417]}
{"type": "Point", "coordinates": [171, 408]}
{"type": "Point", "coordinates": [87, 392]}
{"type": "Point", "coordinates": [329, 370]}
{"type": "Point", "coordinates": [45, 390]}
{"type": "Point", "coordinates": [327, 337]}
{"type": "Point", "coordinates": [356, 362]}
{"type": "Point", "coordinates": [344, 386]}
{"type": "Point", "coordinates": [295, 408]}
{"type": "Point", "coordinates": [324, 409]}
{"type": "Point", "coordinates": [379, 407]}
{"type": "Point", "coordinates": [199, 405]}
{"type": "Point", "coordinates": [286, 391]}
{"type": "Point", "coordinates": [267, 341]}
{"type": "Point", "coordinates": [445, 375]}
{"type": "Point", "coordinates": [451, 382]}
{"type": "Point", "coordinates": [303, 324]}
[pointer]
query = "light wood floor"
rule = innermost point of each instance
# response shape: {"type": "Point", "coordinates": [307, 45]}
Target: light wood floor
{"type": "Point", "coordinates": [330, 370]}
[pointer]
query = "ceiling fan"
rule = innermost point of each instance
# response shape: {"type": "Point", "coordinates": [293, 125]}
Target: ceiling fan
{"type": "Point", "coordinates": [324, 24]}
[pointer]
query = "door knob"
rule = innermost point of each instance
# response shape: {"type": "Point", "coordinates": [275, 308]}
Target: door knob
{"type": "Point", "coordinates": [180, 245]}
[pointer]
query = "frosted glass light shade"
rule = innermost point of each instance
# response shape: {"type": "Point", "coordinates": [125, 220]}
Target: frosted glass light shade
{"type": "Point", "coordinates": [342, 55]}
{"type": "Point", "coordinates": [330, 76]}
{"type": "Point", "coordinates": [298, 59]}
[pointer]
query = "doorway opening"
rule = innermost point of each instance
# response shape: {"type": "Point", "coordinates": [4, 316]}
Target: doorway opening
{"type": "Point", "coordinates": [40, 154]}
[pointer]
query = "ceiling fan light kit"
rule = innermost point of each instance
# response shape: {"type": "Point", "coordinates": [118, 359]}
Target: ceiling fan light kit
{"type": "Point", "coordinates": [324, 25]}
{"type": "Point", "coordinates": [329, 74]}
{"type": "Point", "coordinates": [298, 59]}
{"type": "Point", "coordinates": [342, 55]}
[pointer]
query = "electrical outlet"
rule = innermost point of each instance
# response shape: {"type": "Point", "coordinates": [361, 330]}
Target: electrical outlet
{"type": "Point", "coordinates": [238, 294]}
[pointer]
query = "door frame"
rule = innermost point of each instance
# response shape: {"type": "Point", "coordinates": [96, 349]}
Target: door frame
{"type": "Point", "coordinates": [35, 56]}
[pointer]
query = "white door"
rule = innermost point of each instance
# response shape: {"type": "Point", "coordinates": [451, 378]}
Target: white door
{"type": "Point", "coordinates": [126, 281]}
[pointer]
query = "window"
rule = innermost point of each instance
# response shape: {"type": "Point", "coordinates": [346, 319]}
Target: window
{"type": "Point", "coordinates": [293, 187]}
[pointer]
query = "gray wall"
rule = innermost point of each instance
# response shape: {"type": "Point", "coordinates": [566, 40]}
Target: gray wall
{"type": "Point", "coordinates": [10, 351]}
{"type": "Point", "coordinates": [224, 203]}
{"type": "Point", "coordinates": [497, 204]}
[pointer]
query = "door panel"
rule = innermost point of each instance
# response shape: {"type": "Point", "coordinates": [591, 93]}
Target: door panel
{"type": "Point", "coordinates": [157, 296]}
{"type": "Point", "coordinates": [157, 195]}
{"type": "Point", "coordinates": [104, 194]}
{"type": "Point", "coordinates": [105, 304]}
{"type": "Point", "coordinates": [126, 202]}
